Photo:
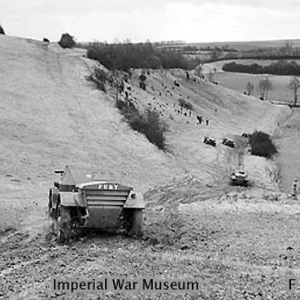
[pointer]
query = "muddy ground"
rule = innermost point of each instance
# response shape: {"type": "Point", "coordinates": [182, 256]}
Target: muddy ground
{"type": "Point", "coordinates": [235, 244]}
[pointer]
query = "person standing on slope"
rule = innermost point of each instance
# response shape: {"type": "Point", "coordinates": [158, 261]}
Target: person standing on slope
{"type": "Point", "coordinates": [295, 189]}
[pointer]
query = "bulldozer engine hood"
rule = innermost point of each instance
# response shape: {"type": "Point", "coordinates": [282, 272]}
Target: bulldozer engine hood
{"type": "Point", "coordinates": [72, 199]}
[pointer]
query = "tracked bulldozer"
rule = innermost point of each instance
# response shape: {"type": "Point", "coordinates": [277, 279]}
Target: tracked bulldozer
{"type": "Point", "coordinates": [79, 200]}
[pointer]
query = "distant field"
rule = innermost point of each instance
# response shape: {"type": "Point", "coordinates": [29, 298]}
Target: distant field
{"type": "Point", "coordinates": [238, 81]}
{"type": "Point", "coordinates": [245, 46]}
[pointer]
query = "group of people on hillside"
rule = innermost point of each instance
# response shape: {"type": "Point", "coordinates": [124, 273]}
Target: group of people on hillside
{"type": "Point", "coordinates": [200, 120]}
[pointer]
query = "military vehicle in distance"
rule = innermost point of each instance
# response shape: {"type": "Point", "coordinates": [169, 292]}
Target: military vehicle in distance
{"type": "Point", "coordinates": [209, 141]}
{"type": "Point", "coordinates": [228, 142]}
{"type": "Point", "coordinates": [246, 135]}
{"type": "Point", "coordinates": [239, 178]}
{"type": "Point", "coordinates": [80, 200]}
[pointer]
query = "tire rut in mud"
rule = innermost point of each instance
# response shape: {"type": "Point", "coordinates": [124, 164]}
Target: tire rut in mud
{"type": "Point", "coordinates": [29, 263]}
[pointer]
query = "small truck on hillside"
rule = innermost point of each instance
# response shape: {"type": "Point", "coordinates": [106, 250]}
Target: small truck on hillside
{"type": "Point", "coordinates": [228, 142]}
{"type": "Point", "coordinates": [79, 200]}
{"type": "Point", "coordinates": [209, 141]}
{"type": "Point", "coordinates": [239, 177]}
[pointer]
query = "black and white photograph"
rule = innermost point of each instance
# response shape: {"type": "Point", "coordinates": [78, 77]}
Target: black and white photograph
{"type": "Point", "coordinates": [149, 150]}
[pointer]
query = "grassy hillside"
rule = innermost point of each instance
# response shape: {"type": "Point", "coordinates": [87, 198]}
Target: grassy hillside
{"type": "Point", "coordinates": [51, 116]}
{"type": "Point", "coordinates": [232, 239]}
{"type": "Point", "coordinates": [288, 141]}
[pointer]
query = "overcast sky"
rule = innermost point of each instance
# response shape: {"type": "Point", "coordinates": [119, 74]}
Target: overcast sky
{"type": "Point", "coordinates": [156, 20]}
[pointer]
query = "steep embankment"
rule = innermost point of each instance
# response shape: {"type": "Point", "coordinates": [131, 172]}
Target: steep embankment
{"type": "Point", "coordinates": [51, 116]}
{"type": "Point", "coordinates": [229, 115]}
{"type": "Point", "coordinates": [289, 154]}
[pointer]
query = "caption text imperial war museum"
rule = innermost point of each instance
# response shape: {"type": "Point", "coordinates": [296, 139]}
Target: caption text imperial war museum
{"type": "Point", "coordinates": [111, 284]}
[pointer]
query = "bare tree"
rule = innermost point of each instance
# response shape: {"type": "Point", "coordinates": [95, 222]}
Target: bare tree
{"type": "Point", "coordinates": [199, 71]}
{"type": "Point", "coordinates": [264, 86]}
{"type": "Point", "coordinates": [288, 48]}
{"type": "Point", "coordinates": [211, 76]}
{"type": "Point", "coordinates": [260, 88]}
{"type": "Point", "coordinates": [249, 88]}
{"type": "Point", "coordinates": [294, 85]}
{"type": "Point", "coordinates": [268, 87]}
{"type": "Point", "coordinates": [214, 55]}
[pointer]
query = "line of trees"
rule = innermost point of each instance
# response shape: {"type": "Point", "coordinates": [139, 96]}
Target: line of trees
{"type": "Point", "coordinates": [225, 48]}
{"type": "Point", "coordinates": [264, 86]}
{"type": "Point", "coordinates": [124, 56]}
{"type": "Point", "coordinates": [249, 88]}
{"type": "Point", "coordinates": [278, 68]}
{"type": "Point", "coordinates": [288, 51]}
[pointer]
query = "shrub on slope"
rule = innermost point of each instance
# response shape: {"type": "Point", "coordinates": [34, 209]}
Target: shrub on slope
{"type": "Point", "coordinates": [1, 30]}
{"type": "Point", "coordinates": [99, 77]}
{"type": "Point", "coordinates": [148, 123]}
{"type": "Point", "coordinates": [185, 104]}
{"type": "Point", "coordinates": [67, 41]}
{"type": "Point", "coordinates": [262, 144]}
